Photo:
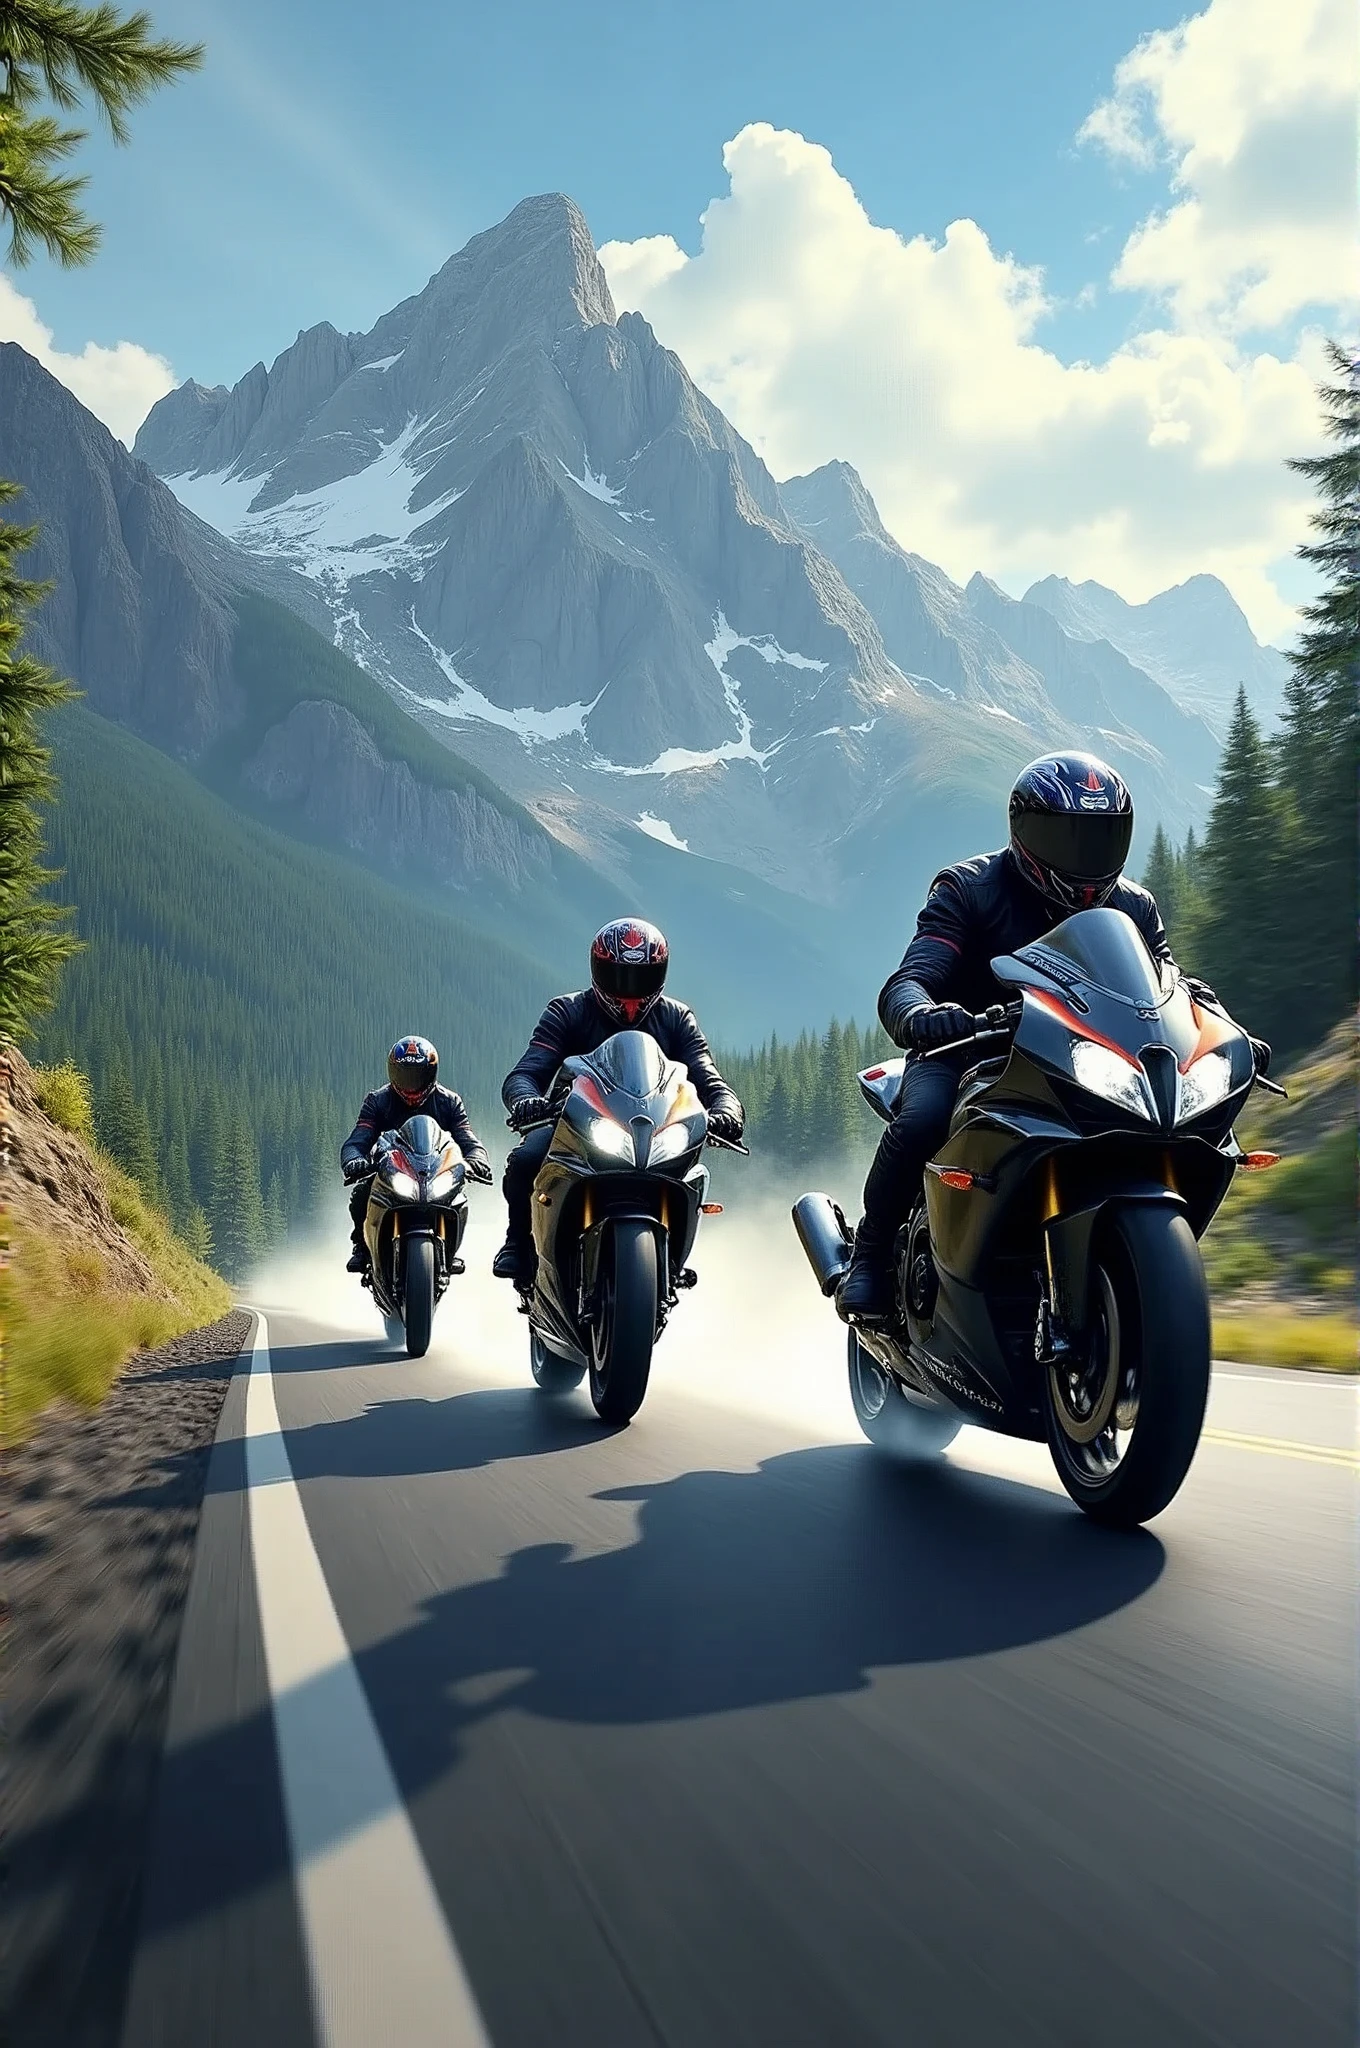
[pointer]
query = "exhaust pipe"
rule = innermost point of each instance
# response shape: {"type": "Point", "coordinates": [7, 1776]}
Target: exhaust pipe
{"type": "Point", "coordinates": [826, 1238]}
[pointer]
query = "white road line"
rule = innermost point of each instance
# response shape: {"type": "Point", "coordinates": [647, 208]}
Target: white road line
{"type": "Point", "coordinates": [382, 1961]}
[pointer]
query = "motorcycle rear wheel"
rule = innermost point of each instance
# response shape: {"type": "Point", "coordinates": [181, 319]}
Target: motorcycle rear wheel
{"type": "Point", "coordinates": [418, 1296]}
{"type": "Point", "coordinates": [552, 1373]}
{"type": "Point", "coordinates": [624, 1329]}
{"type": "Point", "coordinates": [1123, 1425]}
{"type": "Point", "coordinates": [889, 1420]}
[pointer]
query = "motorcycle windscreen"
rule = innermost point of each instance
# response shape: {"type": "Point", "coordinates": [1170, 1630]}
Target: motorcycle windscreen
{"type": "Point", "coordinates": [1105, 950]}
{"type": "Point", "coordinates": [422, 1138]}
{"type": "Point", "coordinates": [632, 1061]}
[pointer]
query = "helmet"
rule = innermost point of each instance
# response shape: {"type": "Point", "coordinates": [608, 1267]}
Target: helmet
{"type": "Point", "coordinates": [628, 961]}
{"type": "Point", "coordinates": [1071, 827]}
{"type": "Point", "coordinates": [412, 1066]}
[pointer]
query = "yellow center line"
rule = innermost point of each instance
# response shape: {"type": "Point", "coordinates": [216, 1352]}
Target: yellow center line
{"type": "Point", "coordinates": [1284, 1447]}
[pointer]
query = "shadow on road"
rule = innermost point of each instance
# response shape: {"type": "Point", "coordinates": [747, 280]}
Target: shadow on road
{"type": "Point", "coordinates": [742, 1589]}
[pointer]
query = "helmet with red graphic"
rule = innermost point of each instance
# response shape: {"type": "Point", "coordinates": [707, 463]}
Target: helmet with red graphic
{"type": "Point", "coordinates": [1071, 828]}
{"type": "Point", "coordinates": [412, 1068]}
{"type": "Point", "coordinates": [628, 962]}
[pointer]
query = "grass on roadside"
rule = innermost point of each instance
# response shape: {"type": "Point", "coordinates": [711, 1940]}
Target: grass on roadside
{"type": "Point", "coordinates": [1287, 1337]}
{"type": "Point", "coordinates": [69, 1329]}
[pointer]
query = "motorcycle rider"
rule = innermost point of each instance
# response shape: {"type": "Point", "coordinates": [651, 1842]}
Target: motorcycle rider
{"type": "Point", "coordinates": [1071, 826]}
{"type": "Point", "coordinates": [628, 962]}
{"type": "Point", "coordinates": [412, 1090]}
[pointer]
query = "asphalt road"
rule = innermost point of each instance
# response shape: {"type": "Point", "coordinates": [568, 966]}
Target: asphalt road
{"type": "Point", "coordinates": [724, 1730]}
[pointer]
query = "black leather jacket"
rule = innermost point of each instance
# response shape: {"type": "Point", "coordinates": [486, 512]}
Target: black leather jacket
{"type": "Point", "coordinates": [577, 1024]}
{"type": "Point", "coordinates": [384, 1110]}
{"type": "Point", "coordinates": [974, 911]}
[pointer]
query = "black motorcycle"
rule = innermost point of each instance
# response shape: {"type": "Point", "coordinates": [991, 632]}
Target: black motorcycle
{"type": "Point", "coordinates": [616, 1210]}
{"type": "Point", "coordinates": [414, 1224]}
{"type": "Point", "coordinates": [1048, 1283]}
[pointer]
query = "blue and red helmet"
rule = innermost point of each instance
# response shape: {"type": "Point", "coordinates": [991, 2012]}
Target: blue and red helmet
{"type": "Point", "coordinates": [628, 962]}
{"type": "Point", "coordinates": [412, 1069]}
{"type": "Point", "coordinates": [1071, 829]}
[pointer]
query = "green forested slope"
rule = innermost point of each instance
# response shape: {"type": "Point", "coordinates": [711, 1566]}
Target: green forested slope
{"type": "Point", "coordinates": [247, 987]}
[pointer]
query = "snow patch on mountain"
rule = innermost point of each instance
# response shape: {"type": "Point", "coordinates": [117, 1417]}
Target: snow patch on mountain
{"type": "Point", "coordinates": [341, 530]}
{"type": "Point", "coordinates": [596, 487]}
{"type": "Point", "coordinates": [658, 828]}
{"type": "Point", "coordinates": [532, 727]}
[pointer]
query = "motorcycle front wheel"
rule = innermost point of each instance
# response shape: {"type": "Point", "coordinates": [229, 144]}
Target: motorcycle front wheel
{"type": "Point", "coordinates": [418, 1297]}
{"type": "Point", "coordinates": [624, 1329]}
{"type": "Point", "coordinates": [889, 1420]}
{"type": "Point", "coordinates": [1124, 1414]}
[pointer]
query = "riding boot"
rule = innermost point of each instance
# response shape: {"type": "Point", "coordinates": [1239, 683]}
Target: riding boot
{"type": "Point", "coordinates": [866, 1292]}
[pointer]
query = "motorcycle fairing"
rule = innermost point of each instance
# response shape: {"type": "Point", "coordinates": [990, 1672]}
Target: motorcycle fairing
{"type": "Point", "coordinates": [1044, 1156]}
{"type": "Point", "coordinates": [390, 1218]}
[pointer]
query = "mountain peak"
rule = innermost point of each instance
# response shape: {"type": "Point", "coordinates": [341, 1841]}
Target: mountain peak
{"type": "Point", "coordinates": [540, 259]}
{"type": "Point", "coordinates": [832, 505]}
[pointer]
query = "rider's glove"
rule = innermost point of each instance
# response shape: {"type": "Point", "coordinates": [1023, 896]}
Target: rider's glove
{"type": "Point", "coordinates": [479, 1168]}
{"type": "Point", "coordinates": [1260, 1052]}
{"type": "Point", "coordinates": [723, 1124]}
{"type": "Point", "coordinates": [1200, 990]}
{"type": "Point", "coordinates": [356, 1169]}
{"type": "Point", "coordinates": [937, 1024]}
{"type": "Point", "coordinates": [530, 1109]}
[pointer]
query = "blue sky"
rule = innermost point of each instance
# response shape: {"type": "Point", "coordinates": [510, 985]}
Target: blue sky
{"type": "Point", "coordinates": [1102, 375]}
{"type": "Point", "coordinates": [319, 169]}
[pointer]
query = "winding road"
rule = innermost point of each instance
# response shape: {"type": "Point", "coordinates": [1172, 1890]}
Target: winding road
{"type": "Point", "coordinates": [491, 1726]}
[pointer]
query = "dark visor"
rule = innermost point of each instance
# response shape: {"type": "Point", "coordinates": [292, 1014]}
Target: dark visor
{"type": "Point", "coordinates": [630, 980]}
{"type": "Point", "coordinates": [1085, 847]}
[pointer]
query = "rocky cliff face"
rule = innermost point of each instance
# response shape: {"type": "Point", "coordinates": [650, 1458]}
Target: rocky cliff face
{"type": "Point", "coordinates": [142, 619]}
{"type": "Point", "coordinates": [139, 614]}
{"type": "Point", "coordinates": [529, 525]}
{"type": "Point", "coordinates": [321, 767]}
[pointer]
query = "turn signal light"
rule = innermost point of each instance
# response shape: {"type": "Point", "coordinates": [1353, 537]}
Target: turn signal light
{"type": "Point", "coordinates": [954, 1178]}
{"type": "Point", "coordinates": [710, 1208]}
{"type": "Point", "coordinates": [1257, 1162]}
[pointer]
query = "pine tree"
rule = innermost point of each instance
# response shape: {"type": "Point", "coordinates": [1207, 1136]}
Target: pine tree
{"type": "Point", "coordinates": [238, 1210]}
{"type": "Point", "coordinates": [196, 1231]}
{"type": "Point", "coordinates": [32, 943]}
{"type": "Point", "coordinates": [55, 54]}
{"type": "Point", "coordinates": [125, 1132]}
{"type": "Point", "coordinates": [1320, 744]}
{"type": "Point", "coordinates": [1242, 878]}
{"type": "Point", "coordinates": [275, 1212]}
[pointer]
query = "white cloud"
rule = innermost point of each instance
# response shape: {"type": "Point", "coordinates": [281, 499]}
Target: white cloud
{"type": "Point", "coordinates": [1251, 106]}
{"type": "Point", "coordinates": [821, 334]}
{"type": "Point", "coordinates": [119, 385]}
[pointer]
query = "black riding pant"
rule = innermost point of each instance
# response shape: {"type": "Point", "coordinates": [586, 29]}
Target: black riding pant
{"type": "Point", "coordinates": [358, 1208]}
{"type": "Point", "coordinates": [521, 1171]}
{"type": "Point", "coordinates": [916, 1133]}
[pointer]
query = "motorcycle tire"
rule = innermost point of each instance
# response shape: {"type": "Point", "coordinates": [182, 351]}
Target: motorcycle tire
{"type": "Point", "coordinates": [891, 1422]}
{"type": "Point", "coordinates": [624, 1329]}
{"type": "Point", "coordinates": [1147, 1370]}
{"type": "Point", "coordinates": [418, 1296]}
{"type": "Point", "coordinates": [552, 1373]}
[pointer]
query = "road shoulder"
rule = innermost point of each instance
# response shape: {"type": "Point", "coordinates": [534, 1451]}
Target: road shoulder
{"type": "Point", "coordinates": [103, 1521]}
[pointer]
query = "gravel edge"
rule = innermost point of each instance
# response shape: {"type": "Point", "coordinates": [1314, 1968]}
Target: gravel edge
{"type": "Point", "coordinates": [102, 1522]}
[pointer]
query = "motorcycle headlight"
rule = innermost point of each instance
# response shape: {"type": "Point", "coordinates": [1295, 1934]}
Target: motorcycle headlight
{"type": "Point", "coordinates": [404, 1184]}
{"type": "Point", "coordinates": [670, 1142]}
{"type": "Point", "coordinates": [1105, 1073]}
{"type": "Point", "coordinates": [611, 1139]}
{"type": "Point", "coordinates": [441, 1185]}
{"type": "Point", "coordinates": [1207, 1082]}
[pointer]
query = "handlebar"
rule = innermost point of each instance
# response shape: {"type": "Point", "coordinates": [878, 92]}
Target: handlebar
{"type": "Point", "coordinates": [998, 1021]}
